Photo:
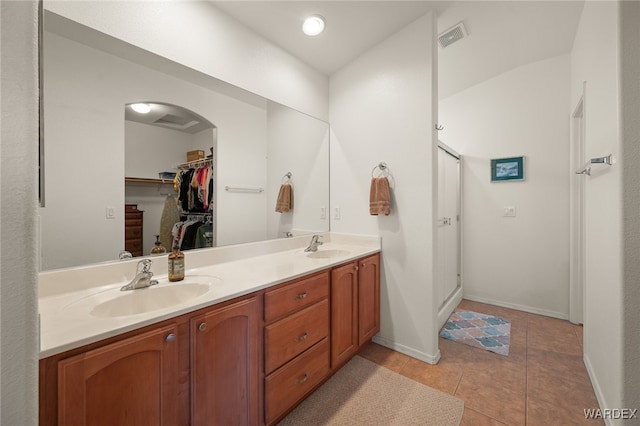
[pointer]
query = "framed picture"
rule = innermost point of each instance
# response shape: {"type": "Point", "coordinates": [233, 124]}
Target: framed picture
{"type": "Point", "coordinates": [505, 169]}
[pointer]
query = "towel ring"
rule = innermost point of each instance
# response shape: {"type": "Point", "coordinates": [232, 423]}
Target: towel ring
{"type": "Point", "coordinates": [382, 166]}
{"type": "Point", "coordinates": [287, 176]}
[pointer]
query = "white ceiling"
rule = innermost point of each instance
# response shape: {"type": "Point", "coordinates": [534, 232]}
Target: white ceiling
{"type": "Point", "coordinates": [502, 34]}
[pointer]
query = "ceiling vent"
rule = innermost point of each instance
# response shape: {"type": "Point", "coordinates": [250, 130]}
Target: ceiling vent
{"type": "Point", "coordinates": [173, 119]}
{"type": "Point", "coordinates": [176, 122]}
{"type": "Point", "coordinates": [451, 35]}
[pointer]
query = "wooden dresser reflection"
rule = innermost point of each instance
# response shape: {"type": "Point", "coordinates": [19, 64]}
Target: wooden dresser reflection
{"type": "Point", "coordinates": [133, 229]}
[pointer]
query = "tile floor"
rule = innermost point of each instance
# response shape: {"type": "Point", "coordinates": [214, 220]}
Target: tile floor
{"type": "Point", "coordinates": [543, 381]}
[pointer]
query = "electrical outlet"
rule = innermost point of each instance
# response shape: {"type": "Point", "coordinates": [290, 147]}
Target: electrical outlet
{"type": "Point", "coordinates": [323, 212]}
{"type": "Point", "coordinates": [110, 212]}
{"type": "Point", "coordinates": [509, 211]}
{"type": "Point", "coordinates": [336, 213]}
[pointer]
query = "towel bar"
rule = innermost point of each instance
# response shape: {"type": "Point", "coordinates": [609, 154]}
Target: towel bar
{"type": "Point", "coordinates": [239, 188]}
{"type": "Point", "coordinates": [586, 169]}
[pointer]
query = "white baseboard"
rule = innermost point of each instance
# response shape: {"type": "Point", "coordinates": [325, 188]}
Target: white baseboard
{"type": "Point", "coordinates": [413, 353]}
{"type": "Point", "coordinates": [559, 315]}
{"type": "Point", "coordinates": [596, 388]}
{"type": "Point", "coordinates": [449, 306]}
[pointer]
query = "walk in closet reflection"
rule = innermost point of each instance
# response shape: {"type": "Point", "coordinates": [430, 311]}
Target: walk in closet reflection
{"type": "Point", "coordinates": [194, 184]}
{"type": "Point", "coordinates": [176, 196]}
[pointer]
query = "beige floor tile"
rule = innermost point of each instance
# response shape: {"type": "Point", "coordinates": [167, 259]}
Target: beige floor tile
{"type": "Point", "coordinates": [542, 382]}
{"type": "Point", "coordinates": [385, 357]}
{"type": "Point", "coordinates": [443, 377]}
{"type": "Point", "coordinates": [569, 367]}
{"type": "Point", "coordinates": [473, 418]}
{"type": "Point", "coordinates": [497, 391]}
{"type": "Point", "coordinates": [558, 399]}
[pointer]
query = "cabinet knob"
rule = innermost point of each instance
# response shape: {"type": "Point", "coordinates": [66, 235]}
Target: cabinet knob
{"type": "Point", "coordinates": [302, 337]}
{"type": "Point", "coordinates": [170, 338]}
{"type": "Point", "coordinates": [363, 264]}
{"type": "Point", "coordinates": [356, 267]}
{"type": "Point", "coordinates": [301, 295]}
{"type": "Point", "coordinates": [202, 326]}
{"type": "Point", "coordinates": [303, 379]}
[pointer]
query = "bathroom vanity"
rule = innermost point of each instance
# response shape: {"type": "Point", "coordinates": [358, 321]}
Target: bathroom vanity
{"type": "Point", "coordinates": [271, 329]}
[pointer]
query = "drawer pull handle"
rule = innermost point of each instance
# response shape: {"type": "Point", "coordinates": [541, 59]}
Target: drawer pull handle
{"type": "Point", "coordinates": [303, 379]}
{"type": "Point", "coordinates": [170, 338]}
{"type": "Point", "coordinates": [301, 295]}
{"type": "Point", "coordinates": [202, 326]}
{"type": "Point", "coordinates": [301, 338]}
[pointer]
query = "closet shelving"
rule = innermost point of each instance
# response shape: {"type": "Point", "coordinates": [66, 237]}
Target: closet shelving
{"type": "Point", "coordinates": [148, 180]}
{"type": "Point", "coordinates": [195, 164]}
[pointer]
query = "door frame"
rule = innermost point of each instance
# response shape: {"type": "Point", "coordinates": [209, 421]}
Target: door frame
{"type": "Point", "coordinates": [577, 270]}
{"type": "Point", "coordinates": [454, 299]}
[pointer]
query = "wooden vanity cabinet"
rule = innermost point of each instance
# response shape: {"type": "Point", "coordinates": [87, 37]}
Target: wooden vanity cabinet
{"type": "Point", "coordinates": [296, 336]}
{"type": "Point", "coordinates": [247, 361]}
{"type": "Point", "coordinates": [132, 381]}
{"type": "Point", "coordinates": [198, 368]}
{"type": "Point", "coordinates": [368, 298]}
{"type": "Point", "coordinates": [225, 387]}
{"type": "Point", "coordinates": [344, 313]}
{"type": "Point", "coordinates": [355, 307]}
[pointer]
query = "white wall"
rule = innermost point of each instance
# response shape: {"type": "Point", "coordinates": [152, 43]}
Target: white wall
{"type": "Point", "coordinates": [595, 59]}
{"type": "Point", "coordinates": [298, 144]}
{"type": "Point", "coordinates": [151, 149]}
{"type": "Point", "coordinates": [85, 130]}
{"type": "Point", "coordinates": [382, 109]}
{"type": "Point", "coordinates": [200, 36]}
{"type": "Point", "coordinates": [630, 105]}
{"type": "Point", "coordinates": [522, 261]}
{"type": "Point", "coordinates": [18, 226]}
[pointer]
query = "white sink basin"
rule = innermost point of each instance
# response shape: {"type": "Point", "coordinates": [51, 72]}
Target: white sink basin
{"type": "Point", "coordinates": [327, 254]}
{"type": "Point", "coordinates": [116, 303]}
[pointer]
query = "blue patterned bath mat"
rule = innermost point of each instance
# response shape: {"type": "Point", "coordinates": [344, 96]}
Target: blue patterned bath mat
{"type": "Point", "coordinates": [479, 330]}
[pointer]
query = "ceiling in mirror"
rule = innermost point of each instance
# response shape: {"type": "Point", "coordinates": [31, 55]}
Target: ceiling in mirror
{"type": "Point", "coordinates": [167, 116]}
{"type": "Point", "coordinates": [89, 81]}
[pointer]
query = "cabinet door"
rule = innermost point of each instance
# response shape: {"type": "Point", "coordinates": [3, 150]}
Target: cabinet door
{"type": "Point", "coordinates": [130, 382]}
{"type": "Point", "coordinates": [368, 298]}
{"type": "Point", "coordinates": [344, 313]}
{"type": "Point", "coordinates": [224, 365]}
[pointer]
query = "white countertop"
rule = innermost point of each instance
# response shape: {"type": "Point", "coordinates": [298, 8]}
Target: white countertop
{"type": "Point", "coordinates": [76, 310]}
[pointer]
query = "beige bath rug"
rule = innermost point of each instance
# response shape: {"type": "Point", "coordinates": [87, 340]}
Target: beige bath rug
{"type": "Point", "coordinates": [364, 393]}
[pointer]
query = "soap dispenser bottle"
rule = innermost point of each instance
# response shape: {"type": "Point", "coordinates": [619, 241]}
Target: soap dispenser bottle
{"type": "Point", "coordinates": [159, 248]}
{"type": "Point", "coordinates": [176, 264]}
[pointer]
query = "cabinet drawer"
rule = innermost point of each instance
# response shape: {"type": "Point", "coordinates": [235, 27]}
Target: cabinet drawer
{"type": "Point", "coordinates": [133, 245]}
{"type": "Point", "coordinates": [131, 232]}
{"type": "Point", "coordinates": [133, 222]}
{"type": "Point", "coordinates": [287, 385]}
{"type": "Point", "coordinates": [289, 337]}
{"type": "Point", "coordinates": [296, 295]}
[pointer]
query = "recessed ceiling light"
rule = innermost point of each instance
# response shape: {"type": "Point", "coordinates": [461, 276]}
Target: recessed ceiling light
{"type": "Point", "coordinates": [313, 25]}
{"type": "Point", "coordinates": [141, 108]}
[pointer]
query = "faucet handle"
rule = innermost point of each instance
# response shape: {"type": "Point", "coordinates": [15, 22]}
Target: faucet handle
{"type": "Point", "coordinates": [144, 265]}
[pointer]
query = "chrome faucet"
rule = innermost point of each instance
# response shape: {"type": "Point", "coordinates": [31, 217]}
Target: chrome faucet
{"type": "Point", "coordinates": [142, 278]}
{"type": "Point", "coordinates": [313, 245]}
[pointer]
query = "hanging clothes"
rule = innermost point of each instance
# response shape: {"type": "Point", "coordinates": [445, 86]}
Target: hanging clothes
{"type": "Point", "coordinates": [191, 233]}
{"type": "Point", "coordinates": [195, 189]}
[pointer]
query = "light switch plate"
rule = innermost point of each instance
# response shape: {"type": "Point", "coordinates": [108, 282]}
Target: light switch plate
{"type": "Point", "coordinates": [509, 211]}
{"type": "Point", "coordinates": [110, 212]}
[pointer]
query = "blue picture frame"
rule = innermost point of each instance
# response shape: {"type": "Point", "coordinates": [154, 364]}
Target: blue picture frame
{"type": "Point", "coordinates": [507, 169]}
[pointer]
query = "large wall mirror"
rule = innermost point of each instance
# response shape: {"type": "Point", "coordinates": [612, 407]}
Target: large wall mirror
{"type": "Point", "coordinates": [100, 155]}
